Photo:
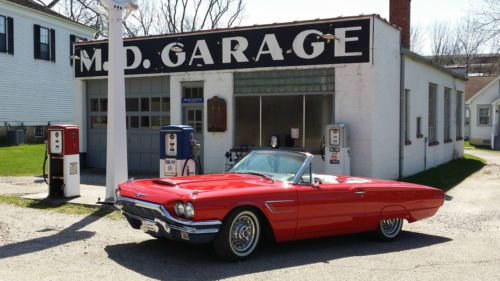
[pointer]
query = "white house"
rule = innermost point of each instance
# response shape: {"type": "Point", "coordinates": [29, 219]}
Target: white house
{"type": "Point", "coordinates": [36, 73]}
{"type": "Point", "coordinates": [404, 113]}
{"type": "Point", "coordinates": [484, 108]}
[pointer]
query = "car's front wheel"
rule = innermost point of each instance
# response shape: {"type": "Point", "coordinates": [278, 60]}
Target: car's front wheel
{"type": "Point", "coordinates": [239, 235]}
{"type": "Point", "coordinates": [389, 229]}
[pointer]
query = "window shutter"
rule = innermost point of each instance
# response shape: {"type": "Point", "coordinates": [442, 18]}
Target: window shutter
{"type": "Point", "coordinates": [53, 45]}
{"type": "Point", "coordinates": [72, 39]}
{"type": "Point", "coordinates": [10, 35]}
{"type": "Point", "coordinates": [36, 41]}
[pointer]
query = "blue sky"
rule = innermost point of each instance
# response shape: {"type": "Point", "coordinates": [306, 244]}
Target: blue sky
{"type": "Point", "coordinates": [424, 12]}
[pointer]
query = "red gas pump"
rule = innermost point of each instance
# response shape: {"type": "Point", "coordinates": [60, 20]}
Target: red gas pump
{"type": "Point", "coordinates": [64, 161]}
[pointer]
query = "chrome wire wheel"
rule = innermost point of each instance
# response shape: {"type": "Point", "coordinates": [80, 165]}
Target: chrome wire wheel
{"type": "Point", "coordinates": [244, 233]}
{"type": "Point", "coordinates": [390, 228]}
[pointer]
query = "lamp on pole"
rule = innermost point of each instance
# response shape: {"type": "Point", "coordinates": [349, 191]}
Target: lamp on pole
{"type": "Point", "coordinates": [116, 146]}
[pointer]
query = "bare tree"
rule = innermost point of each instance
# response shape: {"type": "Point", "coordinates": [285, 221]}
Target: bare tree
{"type": "Point", "coordinates": [443, 42]}
{"type": "Point", "coordinates": [489, 18]}
{"type": "Point", "coordinates": [190, 15]}
{"type": "Point", "coordinates": [470, 40]}
{"type": "Point", "coordinates": [156, 17]}
{"type": "Point", "coordinates": [417, 40]}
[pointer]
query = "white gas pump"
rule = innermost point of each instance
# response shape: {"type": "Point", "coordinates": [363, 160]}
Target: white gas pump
{"type": "Point", "coordinates": [178, 151]}
{"type": "Point", "coordinates": [337, 150]}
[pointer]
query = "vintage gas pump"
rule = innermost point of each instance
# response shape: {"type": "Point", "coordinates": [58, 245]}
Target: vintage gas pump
{"type": "Point", "coordinates": [64, 161]}
{"type": "Point", "coordinates": [178, 151]}
{"type": "Point", "coordinates": [337, 150]}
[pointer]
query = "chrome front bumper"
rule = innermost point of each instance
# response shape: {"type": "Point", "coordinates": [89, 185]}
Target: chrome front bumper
{"type": "Point", "coordinates": [155, 219]}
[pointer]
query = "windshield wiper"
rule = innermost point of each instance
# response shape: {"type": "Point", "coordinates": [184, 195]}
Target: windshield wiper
{"type": "Point", "coordinates": [256, 174]}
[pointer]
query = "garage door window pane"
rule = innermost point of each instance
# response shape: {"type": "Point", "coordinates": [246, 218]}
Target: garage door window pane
{"type": "Point", "coordinates": [145, 104]}
{"type": "Point", "coordinates": [165, 120]}
{"type": "Point", "coordinates": [104, 122]}
{"type": "Point", "coordinates": [247, 121]}
{"type": "Point", "coordinates": [104, 105]}
{"type": "Point", "coordinates": [132, 104]}
{"type": "Point", "coordinates": [144, 121]}
{"type": "Point", "coordinates": [94, 105]}
{"type": "Point", "coordinates": [155, 104]}
{"type": "Point", "coordinates": [279, 115]}
{"type": "Point", "coordinates": [155, 122]}
{"type": "Point", "coordinates": [134, 121]}
{"type": "Point", "coordinates": [165, 104]}
{"type": "Point", "coordinates": [94, 122]}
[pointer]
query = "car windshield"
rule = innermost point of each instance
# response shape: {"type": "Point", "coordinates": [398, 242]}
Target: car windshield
{"type": "Point", "coordinates": [278, 165]}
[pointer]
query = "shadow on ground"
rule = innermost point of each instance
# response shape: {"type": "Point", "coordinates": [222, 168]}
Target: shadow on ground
{"type": "Point", "coordinates": [67, 235]}
{"type": "Point", "coordinates": [167, 260]}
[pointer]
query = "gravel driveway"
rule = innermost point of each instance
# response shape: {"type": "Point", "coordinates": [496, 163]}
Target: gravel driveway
{"type": "Point", "coordinates": [462, 242]}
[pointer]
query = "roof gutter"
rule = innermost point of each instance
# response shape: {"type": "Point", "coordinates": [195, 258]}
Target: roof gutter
{"type": "Point", "coordinates": [427, 61]}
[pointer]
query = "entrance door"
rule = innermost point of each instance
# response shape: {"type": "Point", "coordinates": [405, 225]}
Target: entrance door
{"type": "Point", "coordinates": [193, 116]}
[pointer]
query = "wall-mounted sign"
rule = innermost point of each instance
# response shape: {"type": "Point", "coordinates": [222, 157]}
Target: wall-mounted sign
{"type": "Point", "coordinates": [192, 100]}
{"type": "Point", "coordinates": [251, 47]}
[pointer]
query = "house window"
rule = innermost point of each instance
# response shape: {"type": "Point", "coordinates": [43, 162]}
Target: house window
{"type": "Point", "coordinates": [459, 114]}
{"type": "Point", "coordinates": [419, 128]}
{"type": "Point", "coordinates": [447, 115]}
{"type": "Point", "coordinates": [484, 115]}
{"type": "Point", "coordinates": [39, 131]}
{"type": "Point", "coordinates": [432, 134]}
{"type": "Point", "coordinates": [44, 44]}
{"type": "Point", "coordinates": [6, 35]}
{"type": "Point", "coordinates": [44, 41]}
{"type": "Point", "coordinates": [3, 34]}
{"type": "Point", "coordinates": [407, 117]}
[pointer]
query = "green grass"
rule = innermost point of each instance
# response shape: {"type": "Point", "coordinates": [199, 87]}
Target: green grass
{"type": "Point", "coordinates": [60, 207]}
{"type": "Point", "coordinates": [468, 145]}
{"type": "Point", "coordinates": [448, 175]}
{"type": "Point", "coordinates": [22, 160]}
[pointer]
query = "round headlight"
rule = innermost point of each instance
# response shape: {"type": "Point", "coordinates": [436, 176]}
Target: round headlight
{"type": "Point", "coordinates": [179, 208]}
{"type": "Point", "coordinates": [189, 210]}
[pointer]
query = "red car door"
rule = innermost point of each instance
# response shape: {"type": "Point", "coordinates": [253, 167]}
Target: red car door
{"type": "Point", "coordinates": [329, 209]}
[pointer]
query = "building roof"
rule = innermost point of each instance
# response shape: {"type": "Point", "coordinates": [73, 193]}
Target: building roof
{"type": "Point", "coordinates": [42, 9]}
{"type": "Point", "coordinates": [483, 89]}
{"type": "Point", "coordinates": [429, 62]}
{"type": "Point", "coordinates": [475, 84]}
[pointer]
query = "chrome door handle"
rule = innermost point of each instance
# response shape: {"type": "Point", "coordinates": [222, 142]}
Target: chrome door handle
{"type": "Point", "coordinates": [360, 192]}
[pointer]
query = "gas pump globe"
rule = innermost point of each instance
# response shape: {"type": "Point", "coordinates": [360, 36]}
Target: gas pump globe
{"type": "Point", "coordinates": [337, 150]}
{"type": "Point", "coordinates": [64, 161]}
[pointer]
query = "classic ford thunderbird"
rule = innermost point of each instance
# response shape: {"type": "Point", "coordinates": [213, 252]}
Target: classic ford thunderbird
{"type": "Point", "coordinates": [271, 193]}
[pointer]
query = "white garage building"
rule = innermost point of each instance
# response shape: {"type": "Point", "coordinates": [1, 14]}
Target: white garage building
{"type": "Point", "coordinates": [403, 112]}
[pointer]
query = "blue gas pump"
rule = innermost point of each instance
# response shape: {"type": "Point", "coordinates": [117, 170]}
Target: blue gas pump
{"type": "Point", "coordinates": [178, 151]}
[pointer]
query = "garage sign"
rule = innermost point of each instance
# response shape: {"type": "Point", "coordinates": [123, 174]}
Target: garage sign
{"type": "Point", "coordinates": [267, 46]}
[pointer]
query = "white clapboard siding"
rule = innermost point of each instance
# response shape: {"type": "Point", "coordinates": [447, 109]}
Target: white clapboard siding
{"type": "Point", "coordinates": [37, 91]}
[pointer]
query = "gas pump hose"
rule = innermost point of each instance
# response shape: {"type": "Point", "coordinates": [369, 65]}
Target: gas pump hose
{"type": "Point", "coordinates": [196, 162]}
{"type": "Point", "coordinates": [43, 166]}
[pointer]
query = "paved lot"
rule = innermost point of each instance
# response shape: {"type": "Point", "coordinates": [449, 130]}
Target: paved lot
{"type": "Point", "coordinates": [462, 242]}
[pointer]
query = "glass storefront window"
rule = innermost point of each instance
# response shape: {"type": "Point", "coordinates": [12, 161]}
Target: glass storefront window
{"type": "Point", "coordinates": [132, 104]}
{"type": "Point", "coordinates": [247, 121]}
{"type": "Point", "coordinates": [144, 104]}
{"type": "Point", "coordinates": [165, 104]}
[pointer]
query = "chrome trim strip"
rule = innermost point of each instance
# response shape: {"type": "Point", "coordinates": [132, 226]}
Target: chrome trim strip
{"type": "Point", "coordinates": [269, 205]}
{"type": "Point", "coordinates": [167, 226]}
{"type": "Point", "coordinates": [166, 214]}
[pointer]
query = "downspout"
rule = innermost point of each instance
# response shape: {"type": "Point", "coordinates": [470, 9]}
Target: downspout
{"type": "Point", "coordinates": [402, 113]}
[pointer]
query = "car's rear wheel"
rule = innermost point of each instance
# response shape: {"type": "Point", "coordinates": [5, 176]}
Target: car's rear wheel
{"type": "Point", "coordinates": [239, 235]}
{"type": "Point", "coordinates": [389, 229]}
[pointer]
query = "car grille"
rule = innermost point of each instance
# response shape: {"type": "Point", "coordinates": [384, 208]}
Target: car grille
{"type": "Point", "coordinates": [131, 208]}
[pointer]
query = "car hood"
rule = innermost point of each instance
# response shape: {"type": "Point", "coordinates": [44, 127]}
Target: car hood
{"type": "Point", "coordinates": [161, 190]}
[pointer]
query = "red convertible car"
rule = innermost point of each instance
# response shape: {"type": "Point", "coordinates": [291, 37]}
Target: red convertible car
{"type": "Point", "coordinates": [271, 192]}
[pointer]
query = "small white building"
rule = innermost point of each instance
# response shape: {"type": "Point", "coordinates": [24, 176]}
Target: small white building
{"type": "Point", "coordinates": [484, 114]}
{"type": "Point", "coordinates": [404, 113]}
{"type": "Point", "coordinates": [36, 73]}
